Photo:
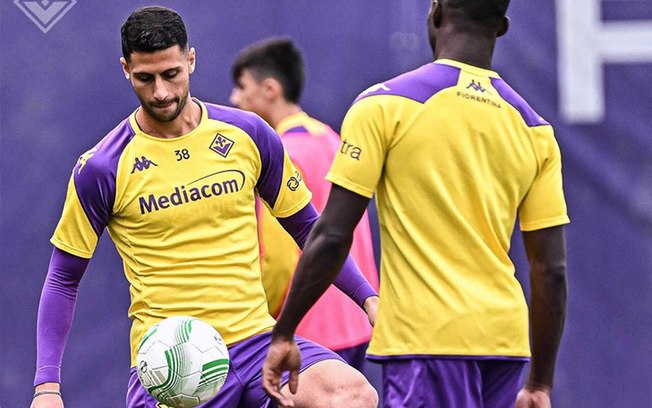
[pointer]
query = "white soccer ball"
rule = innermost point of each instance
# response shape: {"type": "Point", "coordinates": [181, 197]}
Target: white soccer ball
{"type": "Point", "coordinates": [182, 361]}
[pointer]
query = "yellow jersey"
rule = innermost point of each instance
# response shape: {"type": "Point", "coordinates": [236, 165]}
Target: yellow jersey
{"type": "Point", "coordinates": [454, 156]}
{"type": "Point", "coordinates": [181, 213]}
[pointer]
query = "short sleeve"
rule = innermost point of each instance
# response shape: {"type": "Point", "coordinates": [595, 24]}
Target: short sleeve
{"type": "Point", "coordinates": [544, 205]}
{"type": "Point", "coordinates": [86, 210]}
{"type": "Point", "coordinates": [365, 141]}
{"type": "Point", "coordinates": [280, 184]}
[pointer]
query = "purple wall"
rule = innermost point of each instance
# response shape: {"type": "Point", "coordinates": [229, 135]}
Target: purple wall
{"type": "Point", "coordinates": [63, 90]}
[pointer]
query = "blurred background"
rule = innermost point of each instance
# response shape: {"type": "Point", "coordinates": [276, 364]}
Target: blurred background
{"type": "Point", "coordinates": [584, 65]}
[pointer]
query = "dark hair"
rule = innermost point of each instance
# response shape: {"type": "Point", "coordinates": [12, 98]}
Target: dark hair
{"type": "Point", "coordinates": [150, 29]}
{"type": "Point", "coordinates": [486, 11]}
{"type": "Point", "coordinates": [275, 57]}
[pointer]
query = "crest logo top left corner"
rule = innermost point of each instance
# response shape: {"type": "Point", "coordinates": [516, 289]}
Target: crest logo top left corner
{"type": "Point", "coordinates": [45, 14]}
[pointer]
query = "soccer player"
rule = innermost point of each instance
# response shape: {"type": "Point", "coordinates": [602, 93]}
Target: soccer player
{"type": "Point", "coordinates": [174, 184]}
{"type": "Point", "coordinates": [269, 77]}
{"type": "Point", "coordinates": [454, 154]}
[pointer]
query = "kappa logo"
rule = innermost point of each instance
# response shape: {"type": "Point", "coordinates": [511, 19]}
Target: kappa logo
{"type": "Point", "coordinates": [222, 145]}
{"type": "Point", "coordinates": [84, 158]}
{"type": "Point", "coordinates": [45, 14]}
{"type": "Point", "coordinates": [375, 88]}
{"type": "Point", "coordinates": [142, 163]}
{"type": "Point", "coordinates": [477, 86]}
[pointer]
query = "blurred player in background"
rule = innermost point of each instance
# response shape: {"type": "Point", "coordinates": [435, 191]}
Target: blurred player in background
{"type": "Point", "coordinates": [269, 77]}
{"type": "Point", "coordinates": [454, 155]}
{"type": "Point", "coordinates": [175, 186]}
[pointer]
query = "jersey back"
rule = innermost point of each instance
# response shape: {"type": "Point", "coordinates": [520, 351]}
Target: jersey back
{"type": "Point", "coordinates": [454, 155]}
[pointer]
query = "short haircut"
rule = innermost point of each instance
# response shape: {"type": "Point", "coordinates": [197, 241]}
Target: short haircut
{"type": "Point", "coordinates": [486, 11]}
{"type": "Point", "coordinates": [150, 29]}
{"type": "Point", "coordinates": [277, 58]}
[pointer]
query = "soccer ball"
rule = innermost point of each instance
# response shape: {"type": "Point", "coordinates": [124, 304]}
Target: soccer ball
{"type": "Point", "coordinates": [182, 361]}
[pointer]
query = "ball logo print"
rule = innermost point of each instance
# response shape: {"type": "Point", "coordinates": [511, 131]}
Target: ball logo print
{"type": "Point", "coordinates": [182, 361]}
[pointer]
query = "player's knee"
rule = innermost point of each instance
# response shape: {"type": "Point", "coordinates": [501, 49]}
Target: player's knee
{"type": "Point", "coordinates": [367, 396]}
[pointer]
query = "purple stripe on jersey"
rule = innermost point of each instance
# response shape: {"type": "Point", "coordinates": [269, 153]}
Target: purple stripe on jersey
{"type": "Point", "coordinates": [296, 129]}
{"type": "Point", "coordinates": [528, 114]}
{"type": "Point", "coordinates": [268, 142]}
{"type": "Point", "coordinates": [419, 85]}
{"type": "Point", "coordinates": [95, 175]}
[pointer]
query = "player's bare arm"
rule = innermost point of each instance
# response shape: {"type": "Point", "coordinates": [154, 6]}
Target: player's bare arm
{"type": "Point", "coordinates": [546, 252]}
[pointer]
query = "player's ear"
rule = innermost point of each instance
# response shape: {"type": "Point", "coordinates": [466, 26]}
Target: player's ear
{"type": "Point", "coordinates": [192, 59]}
{"type": "Point", "coordinates": [435, 14]}
{"type": "Point", "coordinates": [503, 27]}
{"type": "Point", "coordinates": [125, 67]}
{"type": "Point", "coordinates": [272, 89]}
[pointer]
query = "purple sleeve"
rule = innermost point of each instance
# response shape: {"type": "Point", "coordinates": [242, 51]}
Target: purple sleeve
{"type": "Point", "coordinates": [350, 280]}
{"type": "Point", "coordinates": [55, 313]}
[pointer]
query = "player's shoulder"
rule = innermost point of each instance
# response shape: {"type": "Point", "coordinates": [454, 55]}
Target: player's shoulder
{"type": "Point", "coordinates": [105, 155]}
{"type": "Point", "coordinates": [513, 98]}
{"type": "Point", "coordinates": [305, 127]}
{"type": "Point", "coordinates": [417, 85]}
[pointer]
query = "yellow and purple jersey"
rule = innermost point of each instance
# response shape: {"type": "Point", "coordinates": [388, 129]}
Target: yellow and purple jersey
{"type": "Point", "coordinates": [181, 213]}
{"type": "Point", "coordinates": [454, 155]}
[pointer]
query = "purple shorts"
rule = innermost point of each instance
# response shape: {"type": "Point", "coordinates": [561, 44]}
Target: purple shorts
{"type": "Point", "coordinates": [355, 356]}
{"type": "Point", "coordinates": [243, 387]}
{"type": "Point", "coordinates": [450, 383]}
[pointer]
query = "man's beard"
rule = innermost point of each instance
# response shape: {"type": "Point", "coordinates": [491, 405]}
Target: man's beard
{"type": "Point", "coordinates": [180, 101]}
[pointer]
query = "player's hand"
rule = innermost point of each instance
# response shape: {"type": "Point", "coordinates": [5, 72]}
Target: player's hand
{"type": "Point", "coordinates": [283, 355]}
{"type": "Point", "coordinates": [371, 308]}
{"type": "Point", "coordinates": [539, 398]}
{"type": "Point", "coordinates": [47, 400]}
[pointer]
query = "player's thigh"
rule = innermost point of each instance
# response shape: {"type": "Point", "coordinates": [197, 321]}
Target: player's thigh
{"type": "Point", "coordinates": [431, 382]}
{"type": "Point", "coordinates": [333, 383]}
{"type": "Point", "coordinates": [250, 354]}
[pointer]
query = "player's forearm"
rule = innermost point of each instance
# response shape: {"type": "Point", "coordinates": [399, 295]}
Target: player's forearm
{"type": "Point", "coordinates": [56, 309]}
{"type": "Point", "coordinates": [548, 315]}
{"type": "Point", "coordinates": [321, 261]}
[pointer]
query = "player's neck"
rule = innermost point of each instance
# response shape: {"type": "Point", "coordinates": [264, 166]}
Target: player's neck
{"type": "Point", "coordinates": [468, 49]}
{"type": "Point", "coordinates": [187, 121]}
{"type": "Point", "coordinates": [282, 111]}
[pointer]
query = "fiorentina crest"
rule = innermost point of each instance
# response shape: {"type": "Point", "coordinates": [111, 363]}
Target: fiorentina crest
{"type": "Point", "coordinates": [45, 14]}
